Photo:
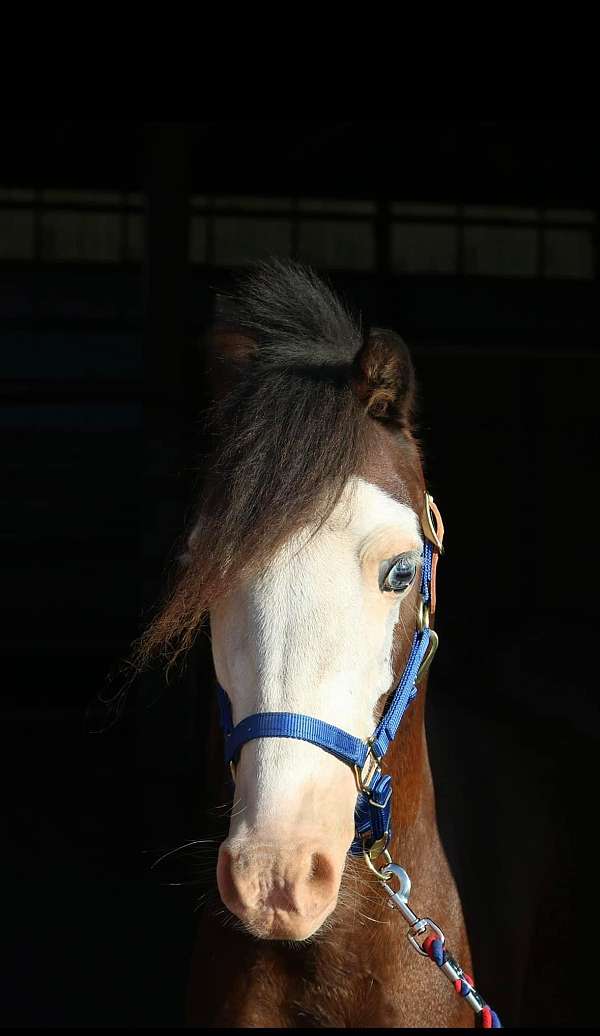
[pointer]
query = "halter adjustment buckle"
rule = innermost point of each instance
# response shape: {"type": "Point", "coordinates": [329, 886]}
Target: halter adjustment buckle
{"type": "Point", "coordinates": [373, 764]}
{"type": "Point", "coordinates": [423, 617]}
{"type": "Point", "coordinates": [431, 650]}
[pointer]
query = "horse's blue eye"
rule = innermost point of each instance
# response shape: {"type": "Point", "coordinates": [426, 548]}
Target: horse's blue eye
{"type": "Point", "coordinates": [400, 575]}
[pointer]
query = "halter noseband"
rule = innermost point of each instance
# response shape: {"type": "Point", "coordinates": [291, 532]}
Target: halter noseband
{"type": "Point", "coordinates": [373, 805]}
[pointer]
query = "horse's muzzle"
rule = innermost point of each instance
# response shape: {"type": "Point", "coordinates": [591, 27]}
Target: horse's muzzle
{"type": "Point", "coordinates": [279, 891]}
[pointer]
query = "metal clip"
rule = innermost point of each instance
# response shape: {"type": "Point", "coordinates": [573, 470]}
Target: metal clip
{"type": "Point", "coordinates": [393, 870]}
{"type": "Point", "coordinates": [424, 924]}
{"type": "Point", "coordinates": [419, 925]}
{"type": "Point", "coordinates": [399, 900]}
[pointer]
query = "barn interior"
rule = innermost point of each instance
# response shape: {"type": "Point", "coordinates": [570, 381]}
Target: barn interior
{"type": "Point", "coordinates": [479, 243]}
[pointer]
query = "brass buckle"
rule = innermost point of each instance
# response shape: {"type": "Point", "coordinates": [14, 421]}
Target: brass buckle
{"type": "Point", "coordinates": [428, 523]}
{"type": "Point", "coordinates": [434, 640]}
{"type": "Point", "coordinates": [431, 650]}
{"type": "Point", "coordinates": [379, 848]}
{"type": "Point", "coordinates": [422, 616]}
{"type": "Point", "coordinates": [373, 762]}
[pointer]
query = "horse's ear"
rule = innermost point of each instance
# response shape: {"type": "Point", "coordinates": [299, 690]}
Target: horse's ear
{"type": "Point", "coordinates": [229, 347]}
{"type": "Point", "coordinates": [228, 352]}
{"type": "Point", "coordinates": [383, 377]}
{"type": "Point", "coordinates": [232, 347]}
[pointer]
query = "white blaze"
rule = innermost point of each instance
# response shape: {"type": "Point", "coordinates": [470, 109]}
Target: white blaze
{"type": "Point", "coordinates": [313, 634]}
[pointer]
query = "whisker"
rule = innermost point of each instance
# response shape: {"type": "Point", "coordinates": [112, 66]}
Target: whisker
{"type": "Point", "coordinates": [224, 805]}
{"type": "Point", "coordinates": [179, 848]}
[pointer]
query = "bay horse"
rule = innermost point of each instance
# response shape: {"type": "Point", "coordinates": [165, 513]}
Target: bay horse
{"type": "Point", "coordinates": [305, 553]}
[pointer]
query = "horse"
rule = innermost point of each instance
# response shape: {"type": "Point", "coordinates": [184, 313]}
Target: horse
{"type": "Point", "coordinates": [306, 554]}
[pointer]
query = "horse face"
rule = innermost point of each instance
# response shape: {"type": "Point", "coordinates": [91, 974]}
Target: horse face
{"type": "Point", "coordinates": [313, 633]}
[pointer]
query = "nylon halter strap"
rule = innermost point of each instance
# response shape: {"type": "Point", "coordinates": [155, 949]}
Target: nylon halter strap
{"type": "Point", "coordinates": [373, 805]}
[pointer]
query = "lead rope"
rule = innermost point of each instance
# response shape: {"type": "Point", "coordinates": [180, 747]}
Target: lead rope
{"type": "Point", "coordinates": [433, 946]}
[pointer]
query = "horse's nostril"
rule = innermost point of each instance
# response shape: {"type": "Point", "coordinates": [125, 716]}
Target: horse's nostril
{"type": "Point", "coordinates": [321, 870]}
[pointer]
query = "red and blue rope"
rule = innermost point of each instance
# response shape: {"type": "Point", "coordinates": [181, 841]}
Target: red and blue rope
{"type": "Point", "coordinates": [435, 950]}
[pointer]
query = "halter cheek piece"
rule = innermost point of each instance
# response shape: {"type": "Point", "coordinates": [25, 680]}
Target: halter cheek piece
{"type": "Point", "coordinates": [373, 805]}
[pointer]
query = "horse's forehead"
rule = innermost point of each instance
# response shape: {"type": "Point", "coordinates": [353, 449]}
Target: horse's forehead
{"type": "Point", "coordinates": [368, 504]}
{"type": "Point", "coordinates": [366, 510]}
{"type": "Point", "coordinates": [367, 525]}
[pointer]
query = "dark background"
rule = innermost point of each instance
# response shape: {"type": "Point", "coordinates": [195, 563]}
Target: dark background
{"type": "Point", "coordinates": [478, 242]}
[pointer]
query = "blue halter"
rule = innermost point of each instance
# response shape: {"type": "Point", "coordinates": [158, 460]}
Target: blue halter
{"type": "Point", "coordinates": [373, 805]}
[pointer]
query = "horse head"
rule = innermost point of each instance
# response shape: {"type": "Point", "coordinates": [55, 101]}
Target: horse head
{"type": "Point", "coordinates": [306, 554]}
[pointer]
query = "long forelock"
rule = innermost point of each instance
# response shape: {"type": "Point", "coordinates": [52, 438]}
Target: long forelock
{"type": "Point", "coordinates": [295, 318]}
{"type": "Point", "coordinates": [286, 440]}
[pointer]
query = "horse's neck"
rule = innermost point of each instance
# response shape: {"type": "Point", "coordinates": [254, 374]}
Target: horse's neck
{"type": "Point", "coordinates": [413, 811]}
